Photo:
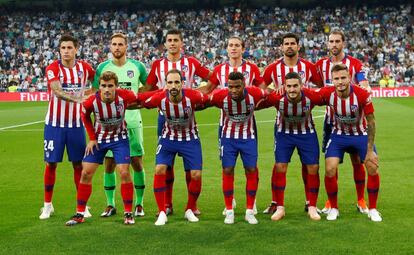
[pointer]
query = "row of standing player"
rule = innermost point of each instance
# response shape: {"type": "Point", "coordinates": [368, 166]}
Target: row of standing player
{"type": "Point", "coordinates": [189, 66]}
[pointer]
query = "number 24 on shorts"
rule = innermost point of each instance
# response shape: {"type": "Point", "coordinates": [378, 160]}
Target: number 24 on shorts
{"type": "Point", "coordinates": [48, 145]}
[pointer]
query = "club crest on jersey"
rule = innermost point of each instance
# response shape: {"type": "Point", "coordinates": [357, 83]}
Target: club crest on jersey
{"type": "Point", "coordinates": [354, 108]}
{"type": "Point", "coordinates": [184, 68]}
{"type": "Point", "coordinates": [305, 108]}
{"type": "Point", "coordinates": [302, 74]}
{"type": "Point", "coordinates": [130, 74]}
{"type": "Point", "coordinates": [246, 74]}
{"type": "Point", "coordinates": [120, 108]}
{"type": "Point", "coordinates": [80, 74]}
{"type": "Point", "coordinates": [187, 110]}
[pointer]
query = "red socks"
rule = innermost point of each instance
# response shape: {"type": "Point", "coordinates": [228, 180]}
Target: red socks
{"type": "Point", "coordinates": [373, 187]}
{"type": "Point", "coordinates": [194, 189]}
{"type": "Point", "coordinates": [159, 191]}
{"type": "Point", "coordinates": [127, 193]}
{"type": "Point", "coordinates": [305, 181]}
{"type": "Point", "coordinates": [313, 188]}
{"type": "Point", "coordinates": [274, 183]}
{"type": "Point", "coordinates": [49, 182]}
{"type": "Point", "coordinates": [84, 192]}
{"type": "Point", "coordinates": [359, 178]}
{"type": "Point", "coordinates": [252, 181]}
{"type": "Point", "coordinates": [169, 180]}
{"type": "Point", "coordinates": [228, 190]}
{"type": "Point", "coordinates": [77, 173]}
{"type": "Point", "coordinates": [331, 186]}
{"type": "Point", "coordinates": [279, 188]}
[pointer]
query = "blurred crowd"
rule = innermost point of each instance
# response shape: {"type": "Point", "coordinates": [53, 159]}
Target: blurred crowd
{"type": "Point", "coordinates": [381, 37]}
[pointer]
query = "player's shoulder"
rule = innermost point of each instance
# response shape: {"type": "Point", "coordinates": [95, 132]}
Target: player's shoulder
{"type": "Point", "coordinates": [359, 91]}
{"type": "Point", "coordinates": [102, 65]}
{"type": "Point", "coordinates": [191, 58]}
{"type": "Point", "coordinates": [306, 61]}
{"type": "Point", "coordinates": [321, 60]}
{"type": "Point", "coordinates": [135, 62]}
{"type": "Point", "coordinates": [274, 64]}
{"type": "Point", "coordinates": [54, 64]}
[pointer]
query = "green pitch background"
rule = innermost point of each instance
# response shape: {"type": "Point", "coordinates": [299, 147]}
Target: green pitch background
{"type": "Point", "coordinates": [21, 194]}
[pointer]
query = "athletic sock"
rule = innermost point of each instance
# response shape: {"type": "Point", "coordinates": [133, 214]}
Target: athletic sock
{"type": "Point", "coordinates": [159, 191]}
{"type": "Point", "coordinates": [359, 178]}
{"type": "Point", "coordinates": [188, 178]}
{"type": "Point", "coordinates": [228, 190]}
{"type": "Point", "coordinates": [251, 188]}
{"type": "Point", "coordinates": [49, 183]}
{"type": "Point", "coordinates": [313, 188]}
{"type": "Point", "coordinates": [77, 173]}
{"type": "Point", "coordinates": [109, 186]}
{"type": "Point", "coordinates": [273, 183]}
{"type": "Point", "coordinates": [373, 188]}
{"type": "Point", "coordinates": [305, 181]}
{"type": "Point", "coordinates": [127, 193]}
{"type": "Point", "coordinates": [331, 186]}
{"type": "Point", "coordinates": [84, 192]}
{"type": "Point", "coordinates": [169, 180]}
{"type": "Point", "coordinates": [280, 185]}
{"type": "Point", "coordinates": [139, 183]}
{"type": "Point", "coordinates": [194, 189]}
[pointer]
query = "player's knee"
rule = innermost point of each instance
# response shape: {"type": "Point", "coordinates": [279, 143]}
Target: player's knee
{"type": "Point", "coordinates": [86, 176]}
{"type": "Point", "coordinates": [125, 175]}
{"type": "Point", "coordinates": [281, 167]}
{"type": "Point", "coordinates": [196, 175]}
{"type": "Point", "coordinates": [160, 169]}
{"type": "Point", "coordinates": [313, 169]}
{"type": "Point", "coordinates": [51, 164]}
{"type": "Point", "coordinates": [372, 169]}
{"type": "Point", "coordinates": [228, 170]}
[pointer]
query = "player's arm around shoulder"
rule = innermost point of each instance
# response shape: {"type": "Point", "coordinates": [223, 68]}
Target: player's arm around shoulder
{"type": "Point", "coordinates": [315, 96]}
{"type": "Point", "coordinates": [151, 100]}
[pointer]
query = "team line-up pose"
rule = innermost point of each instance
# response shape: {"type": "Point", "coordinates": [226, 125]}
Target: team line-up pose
{"type": "Point", "coordinates": [121, 85]}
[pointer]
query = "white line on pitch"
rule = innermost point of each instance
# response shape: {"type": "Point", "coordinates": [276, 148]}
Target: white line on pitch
{"type": "Point", "coordinates": [22, 125]}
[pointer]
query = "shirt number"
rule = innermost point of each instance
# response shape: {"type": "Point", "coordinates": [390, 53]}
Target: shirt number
{"type": "Point", "coordinates": [48, 145]}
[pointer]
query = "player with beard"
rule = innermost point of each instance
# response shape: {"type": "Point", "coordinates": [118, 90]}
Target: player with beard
{"type": "Point", "coordinates": [131, 75]}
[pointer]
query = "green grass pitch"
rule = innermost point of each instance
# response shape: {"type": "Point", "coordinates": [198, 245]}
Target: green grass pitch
{"type": "Point", "coordinates": [21, 193]}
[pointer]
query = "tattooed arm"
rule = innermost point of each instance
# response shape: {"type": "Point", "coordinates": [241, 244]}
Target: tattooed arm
{"type": "Point", "coordinates": [371, 155]}
{"type": "Point", "coordinates": [58, 91]}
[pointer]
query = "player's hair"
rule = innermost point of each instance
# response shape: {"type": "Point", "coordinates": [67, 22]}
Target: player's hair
{"type": "Point", "coordinates": [107, 76]}
{"type": "Point", "coordinates": [174, 71]}
{"type": "Point", "coordinates": [293, 75]}
{"type": "Point", "coordinates": [234, 76]}
{"type": "Point", "coordinates": [174, 31]}
{"type": "Point", "coordinates": [338, 32]}
{"type": "Point", "coordinates": [339, 67]}
{"type": "Point", "coordinates": [236, 37]}
{"type": "Point", "coordinates": [291, 35]}
{"type": "Point", "coordinates": [120, 35]}
{"type": "Point", "coordinates": [69, 38]}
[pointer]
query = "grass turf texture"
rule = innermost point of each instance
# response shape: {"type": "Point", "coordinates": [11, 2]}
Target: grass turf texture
{"type": "Point", "coordinates": [21, 195]}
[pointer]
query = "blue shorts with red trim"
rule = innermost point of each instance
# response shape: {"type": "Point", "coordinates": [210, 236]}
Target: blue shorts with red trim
{"type": "Point", "coordinates": [230, 149]}
{"type": "Point", "coordinates": [190, 151]}
{"type": "Point", "coordinates": [307, 145]}
{"type": "Point", "coordinates": [120, 151]}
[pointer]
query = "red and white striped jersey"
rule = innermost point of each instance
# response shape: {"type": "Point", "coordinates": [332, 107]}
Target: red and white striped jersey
{"type": "Point", "coordinates": [325, 65]}
{"type": "Point", "coordinates": [349, 112]}
{"type": "Point", "coordinates": [109, 125]}
{"type": "Point", "coordinates": [249, 70]}
{"type": "Point", "coordinates": [180, 123]}
{"type": "Point", "coordinates": [189, 66]}
{"type": "Point", "coordinates": [73, 80]}
{"type": "Point", "coordinates": [295, 117]}
{"type": "Point", "coordinates": [238, 121]}
{"type": "Point", "coordinates": [275, 73]}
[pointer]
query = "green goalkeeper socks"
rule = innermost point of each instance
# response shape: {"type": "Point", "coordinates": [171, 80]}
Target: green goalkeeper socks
{"type": "Point", "coordinates": [109, 186]}
{"type": "Point", "coordinates": [139, 182]}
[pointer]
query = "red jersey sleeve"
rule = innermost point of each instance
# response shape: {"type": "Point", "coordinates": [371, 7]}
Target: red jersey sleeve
{"type": "Point", "coordinates": [154, 101]}
{"type": "Point", "coordinates": [213, 78]}
{"type": "Point", "coordinates": [364, 100]}
{"type": "Point", "coordinates": [258, 79]}
{"type": "Point", "coordinates": [52, 72]}
{"type": "Point", "coordinates": [325, 93]}
{"type": "Point", "coordinates": [127, 95]}
{"type": "Point", "coordinates": [272, 99]}
{"type": "Point", "coordinates": [267, 74]}
{"type": "Point", "coordinates": [89, 70]}
{"type": "Point", "coordinates": [196, 96]}
{"type": "Point", "coordinates": [86, 116]}
{"type": "Point", "coordinates": [316, 98]}
{"type": "Point", "coordinates": [144, 96]}
{"type": "Point", "coordinates": [257, 93]}
{"type": "Point", "coordinates": [217, 97]}
{"type": "Point", "coordinates": [200, 70]}
{"type": "Point", "coordinates": [152, 77]}
{"type": "Point", "coordinates": [316, 77]}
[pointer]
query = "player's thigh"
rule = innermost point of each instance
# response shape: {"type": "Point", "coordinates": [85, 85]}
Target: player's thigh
{"type": "Point", "coordinates": [336, 146]}
{"type": "Point", "coordinates": [136, 139]}
{"type": "Point", "coordinates": [54, 144]}
{"type": "Point", "coordinates": [165, 152]}
{"type": "Point", "coordinates": [308, 148]}
{"type": "Point", "coordinates": [327, 130]}
{"type": "Point", "coordinates": [192, 155]}
{"type": "Point", "coordinates": [97, 156]}
{"type": "Point", "coordinates": [284, 147]}
{"type": "Point", "coordinates": [228, 152]}
{"type": "Point", "coordinates": [120, 150]}
{"type": "Point", "coordinates": [161, 123]}
{"type": "Point", "coordinates": [75, 143]}
{"type": "Point", "coordinates": [248, 152]}
{"type": "Point", "coordinates": [358, 145]}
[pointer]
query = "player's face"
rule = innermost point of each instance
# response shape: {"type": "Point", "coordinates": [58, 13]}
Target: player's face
{"type": "Point", "coordinates": [118, 47]}
{"type": "Point", "coordinates": [235, 48]}
{"type": "Point", "coordinates": [173, 43]}
{"type": "Point", "coordinates": [335, 44]}
{"type": "Point", "coordinates": [174, 84]}
{"type": "Point", "coordinates": [290, 47]}
{"type": "Point", "coordinates": [236, 88]}
{"type": "Point", "coordinates": [293, 89]}
{"type": "Point", "coordinates": [107, 90]}
{"type": "Point", "coordinates": [67, 51]}
{"type": "Point", "coordinates": [341, 80]}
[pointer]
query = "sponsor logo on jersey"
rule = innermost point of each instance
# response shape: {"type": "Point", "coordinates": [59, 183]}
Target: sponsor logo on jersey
{"type": "Point", "coordinates": [130, 73]}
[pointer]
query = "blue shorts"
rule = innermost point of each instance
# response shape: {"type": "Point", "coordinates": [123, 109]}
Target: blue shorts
{"type": "Point", "coordinates": [339, 144]}
{"type": "Point", "coordinates": [230, 149]}
{"type": "Point", "coordinates": [189, 150]}
{"type": "Point", "coordinates": [161, 122]}
{"type": "Point", "coordinates": [120, 151]}
{"type": "Point", "coordinates": [307, 145]}
{"type": "Point", "coordinates": [327, 130]}
{"type": "Point", "coordinates": [57, 138]}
